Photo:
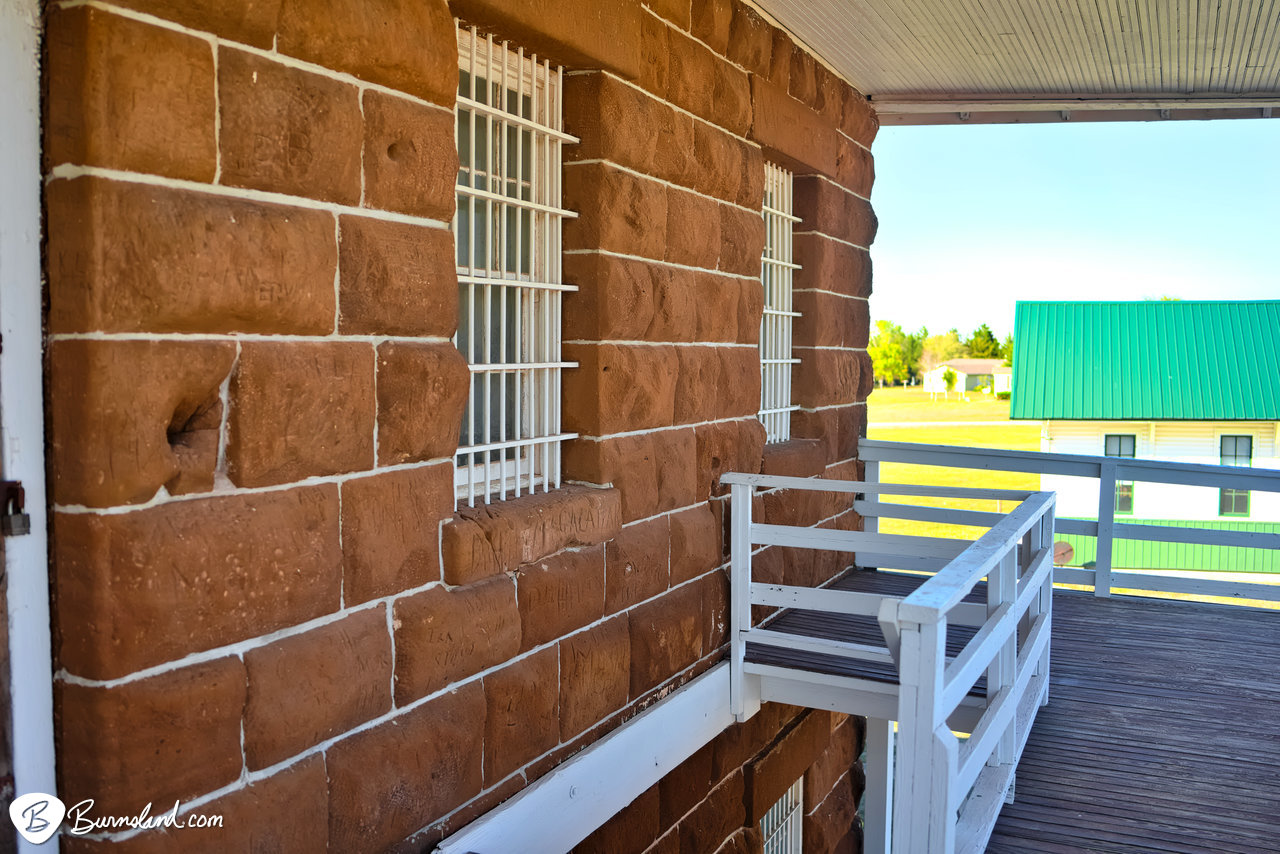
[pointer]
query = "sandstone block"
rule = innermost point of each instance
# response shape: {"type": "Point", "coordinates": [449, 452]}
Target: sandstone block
{"type": "Point", "coordinates": [795, 458]}
{"type": "Point", "coordinates": [410, 157]}
{"type": "Point", "coordinates": [685, 787]}
{"type": "Point", "coordinates": [389, 781]}
{"type": "Point", "coordinates": [802, 84]}
{"type": "Point", "coordinates": [625, 299]}
{"type": "Point", "coordinates": [560, 594]}
{"type": "Point", "coordinates": [675, 11]}
{"type": "Point", "coordinates": [715, 610]}
{"type": "Point", "coordinates": [727, 446]}
{"type": "Point", "coordinates": [829, 265]}
{"type": "Point", "coordinates": [172, 736]}
{"type": "Point", "coordinates": [443, 636]}
{"type": "Point", "coordinates": [858, 119]}
{"type": "Point", "coordinates": [696, 546]}
{"type": "Point", "coordinates": [716, 818]}
{"type": "Point", "coordinates": [577, 33]}
{"type": "Point", "coordinates": [390, 530]}
{"type": "Point", "coordinates": [138, 589]}
{"type": "Point", "coordinates": [300, 410]}
{"type": "Point", "coordinates": [251, 22]}
{"type": "Point", "coordinates": [833, 825]}
{"type": "Point", "coordinates": [770, 775]}
{"type": "Point", "coordinates": [287, 812]}
{"type": "Point", "coordinates": [826, 377]}
{"type": "Point", "coordinates": [127, 95]}
{"type": "Point", "coordinates": [739, 381]}
{"type": "Point", "coordinates": [827, 207]}
{"type": "Point", "coordinates": [127, 417]}
{"type": "Point", "coordinates": [528, 528]}
{"type": "Point", "coordinates": [618, 211]}
{"type": "Point", "coordinates": [422, 393]}
{"type": "Point", "coordinates": [855, 168]}
{"type": "Point", "coordinates": [410, 46]}
{"type": "Point", "coordinates": [619, 388]}
{"type": "Point", "coordinates": [750, 39]}
{"type": "Point", "coordinates": [831, 320]}
{"type": "Point", "coordinates": [838, 428]}
{"type": "Point", "coordinates": [624, 125]}
{"type": "Point", "coordinates": [779, 73]}
{"type": "Point", "coordinates": [396, 279]}
{"type": "Point", "coordinates": [652, 472]}
{"type": "Point", "coordinates": [137, 258]}
{"type": "Point", "coordinates": [666, 637]}
{"type": "Point", "coordinates": [835, 762]}
{"type": "Point", "coordinates": [698, 388]}
{"type": "Point", "coordinates": [710, 23]}
{"type": "Point", "coordinates": [306, 688]}
{"type": "Point", "coordinates": [741, 241]}
{"type": "Point", "coordinates": [637, 564]}
{"type": "Point", "coordinates": [628, 832]}
{"type": "Point", "coordinates": [718, 309]}
{"type": "Point", "coordinates": [693, 230]}
{"type": "Point", "coordinates": [790, 131]}
{"type": "Point", "coordinates": [595, 668]}
{"type": "Point", "coordinates": [522, 713]}
{"type": "Point", "coordinates": [288, 131]}
{"type": "Point", "coordinates": [655, 54]}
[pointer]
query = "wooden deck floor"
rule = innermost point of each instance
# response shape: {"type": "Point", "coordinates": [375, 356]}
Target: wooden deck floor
{"type": "Point", "coordinates": [1162, 733]}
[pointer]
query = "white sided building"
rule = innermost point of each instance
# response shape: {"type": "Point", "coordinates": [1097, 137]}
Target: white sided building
{"type": "Point", "coordinates": [971, 374]}
{"type": "Point", "coordinates": [1195, 382]}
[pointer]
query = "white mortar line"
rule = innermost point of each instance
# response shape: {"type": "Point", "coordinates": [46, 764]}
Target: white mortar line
{"type": "Point", "coordinates": [719, 345]}
{"type": "Point", "coordinates": [613, 254]}
{"type": "Point", "coordinates": [236, 491]}
{"type": "Point", "coordinates": [833, 406]}
{"type": "Point", "coordinates": [256, 337]}
{"type": "Point", "coordinates": [670, 185]}
{"type": "Point", "coordinates": [69, 171]}
{"type": "Point", "coordinates": [665, 428]}
{"type": "Point", "coordinates": [833, 238]}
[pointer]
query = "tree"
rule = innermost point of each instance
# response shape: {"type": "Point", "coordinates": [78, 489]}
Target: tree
{"type": "Point", "coordinates": [939, 348]}
{"type": "Point", "coordinates": [1006, 349]}
{"type": "Point", "coordinates": [914, 346]}
{"type": "Point", "coordinates": [888, 351]}
{"type": "Point", "coordinates": [949, 377]}
{"type": "Point", "coordinates": [983, 344]}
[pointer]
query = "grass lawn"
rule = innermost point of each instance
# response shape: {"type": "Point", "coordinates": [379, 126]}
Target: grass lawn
{"type": "Point", "coordinates": [914, 404]}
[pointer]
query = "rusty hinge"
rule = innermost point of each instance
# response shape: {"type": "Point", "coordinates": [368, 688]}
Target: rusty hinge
{"type": "Point", "coordinates": [14, 522]}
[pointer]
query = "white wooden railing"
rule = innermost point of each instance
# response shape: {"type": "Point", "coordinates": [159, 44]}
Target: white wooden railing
{"type": "Point", "coordinates": [1106, 470]}
{"type": "Point", "coordinates": [947, 796]}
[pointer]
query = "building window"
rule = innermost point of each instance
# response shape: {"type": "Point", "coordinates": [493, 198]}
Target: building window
{"type": "Point", "coordinates": [780, 826]}
{"type": "Point", "coordinates": [507, 230]}
{"type": "Point", "coordinates": [1122, 445]}
{"type": "Point", "coordinates": [1235, 451]}
{"type": "Point", "coordinates": [776, 272]}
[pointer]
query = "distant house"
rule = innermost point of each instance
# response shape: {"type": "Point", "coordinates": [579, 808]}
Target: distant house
{"type": "Point", "coordinates": [1194, 382]}
{"type": "Point", "coordinates": [970, 374]}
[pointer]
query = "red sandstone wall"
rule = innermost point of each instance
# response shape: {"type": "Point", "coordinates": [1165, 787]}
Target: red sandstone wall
{"type": "Point", "coordinates": [254, 404]}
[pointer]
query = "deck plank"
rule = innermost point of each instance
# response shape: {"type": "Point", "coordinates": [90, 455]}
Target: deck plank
{"type": "Point", "coordinates": [1162, 732]}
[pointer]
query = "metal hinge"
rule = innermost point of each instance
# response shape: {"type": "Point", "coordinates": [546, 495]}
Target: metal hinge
{"type": "Point", "coordinates": [15, 522]}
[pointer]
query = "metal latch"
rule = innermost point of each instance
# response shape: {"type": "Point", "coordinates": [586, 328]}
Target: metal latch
{"type": "Point", "coordinates": [15, 522]}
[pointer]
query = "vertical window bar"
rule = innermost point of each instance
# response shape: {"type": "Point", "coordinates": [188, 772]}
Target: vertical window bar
{"type": "Point", "coordinates": [776, 275]}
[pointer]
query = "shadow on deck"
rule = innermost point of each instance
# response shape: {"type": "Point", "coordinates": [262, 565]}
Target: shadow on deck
{"type": "Point", "coordinates": [1162, 732]}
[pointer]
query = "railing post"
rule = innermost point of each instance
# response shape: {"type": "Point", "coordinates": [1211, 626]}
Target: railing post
{"type": "Point", "coordinates": [1002, 589]}
{"type": "Point", "coordinates": [923, 817]}
{"type": "Point", "coordinates": [871, 474]}
{"type": "Point", "coordinates": [876, 837]}
{"type": "Point", "coordinates": [1045, 605]}
{"type": "Point", "coordinates": [739, 593]}
{"type": "Point", "coordinates": [1106, 528]}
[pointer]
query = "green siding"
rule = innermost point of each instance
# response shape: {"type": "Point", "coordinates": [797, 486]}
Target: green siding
{"type": "Point", "coordinates": [1139, 554]}
{"type": "Point", "coordinates": [1095, 361]}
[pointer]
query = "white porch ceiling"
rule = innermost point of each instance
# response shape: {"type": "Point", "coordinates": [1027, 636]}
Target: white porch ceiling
{"type": "Point", "coordinates": [942, 61]}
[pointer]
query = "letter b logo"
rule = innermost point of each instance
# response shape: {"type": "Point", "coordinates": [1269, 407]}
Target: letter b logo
{"type": "Point", "coordinates": [37, 816]}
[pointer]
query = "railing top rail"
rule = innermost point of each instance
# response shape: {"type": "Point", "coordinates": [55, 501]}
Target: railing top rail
{"type": "Point", "coordinates": [953, 582]}
{"type": "Point", "coordinates": [1082, 465]}
{"type": "Point", "coordinates": [815, 484]}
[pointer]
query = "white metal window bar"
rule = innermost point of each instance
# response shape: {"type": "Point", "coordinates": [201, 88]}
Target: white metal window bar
{"type": "Point", "coordinates": [780, 827]}
{"type": "Point", "coordinates": [507, 229]}
{"type": "Point", "coordinates": [776, 273]}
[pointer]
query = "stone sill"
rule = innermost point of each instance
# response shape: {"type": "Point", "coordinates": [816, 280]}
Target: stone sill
{"type": "Point", "coordinates": [489, 539]}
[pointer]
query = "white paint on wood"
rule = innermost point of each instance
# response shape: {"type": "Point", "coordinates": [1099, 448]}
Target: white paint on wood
{"type": "Point", "coordinates": [878, 815]}
{"type": "Point", "coordinates": [565, 806]}
{"type": "Point", "coordinates": [21, 400]}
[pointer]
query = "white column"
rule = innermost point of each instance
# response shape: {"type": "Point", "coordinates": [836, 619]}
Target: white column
{"type": "Point", "coordinates": [21, 399]}
{"type": "Point", "coordinates": [878, 801]}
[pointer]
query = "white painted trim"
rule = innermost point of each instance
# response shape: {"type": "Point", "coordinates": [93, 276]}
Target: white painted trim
{"type": "Point", "coordinates": [22, 402]}
{"type": "Point", "coordinates": [566, 805]}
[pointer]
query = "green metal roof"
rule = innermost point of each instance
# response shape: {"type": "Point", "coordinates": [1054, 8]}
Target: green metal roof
{"type": "Point", "coordinates": [1174, 360]}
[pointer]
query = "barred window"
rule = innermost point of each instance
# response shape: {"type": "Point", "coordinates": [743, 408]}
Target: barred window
{"type": "Point", "coordinates": [780, 826]}
{"type": "Point", "coordinates": [507, 230]}
{"type": "Point", "coordinates": [776, 272]}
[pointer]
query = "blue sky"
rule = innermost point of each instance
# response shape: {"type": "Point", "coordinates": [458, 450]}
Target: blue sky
{"type": "Point", "coordinates": [973, 218]}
